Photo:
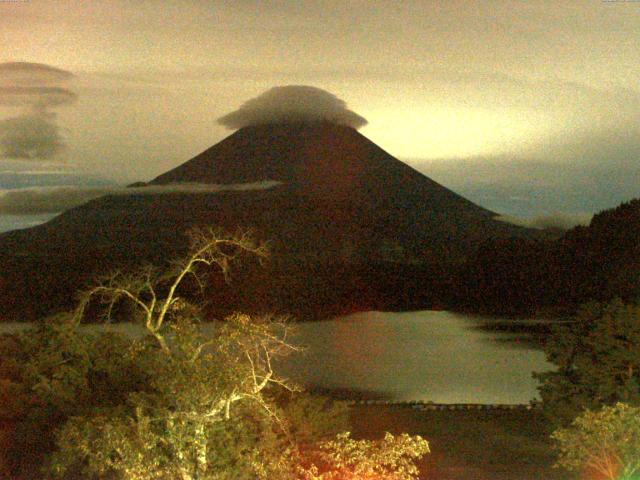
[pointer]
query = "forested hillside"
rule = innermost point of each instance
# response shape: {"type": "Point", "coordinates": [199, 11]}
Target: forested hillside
{"type": "Point", "coordinates": [524, 277]}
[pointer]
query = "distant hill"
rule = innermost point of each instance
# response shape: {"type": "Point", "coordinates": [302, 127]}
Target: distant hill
{"type": "Point", "coordinates": [520, 276]}
{"type": "Point", "coordinates": [349, 227]}
{"type": "Point", "coordinates": [603, 259]}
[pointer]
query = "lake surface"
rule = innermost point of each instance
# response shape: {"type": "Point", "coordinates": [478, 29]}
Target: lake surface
{"type": "Point", "coordinates": [429, 356]}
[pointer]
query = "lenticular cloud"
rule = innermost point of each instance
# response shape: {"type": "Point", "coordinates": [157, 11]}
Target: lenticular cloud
{"type": "Point", "coordinates": [34, 89]}
{"type": "Point", "coordinates": [293, 104]}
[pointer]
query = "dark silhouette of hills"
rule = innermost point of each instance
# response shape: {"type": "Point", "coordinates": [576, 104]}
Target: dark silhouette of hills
{"type": "Point", "coordinates": [349, 226]}
{"type": "Point", "coordinates": [521, 276]}
{"type": "Point", "coordinates": [603, 259]}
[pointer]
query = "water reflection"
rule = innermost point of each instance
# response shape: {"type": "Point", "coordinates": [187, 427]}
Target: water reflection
{"type": "Point", "coordinates": [428, 356]}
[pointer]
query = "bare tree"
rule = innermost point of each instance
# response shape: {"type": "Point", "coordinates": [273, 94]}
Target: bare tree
{"type": "Point", "coordinates": [143, 288]}
{"type": "Point", "coordinates": [197, 377]}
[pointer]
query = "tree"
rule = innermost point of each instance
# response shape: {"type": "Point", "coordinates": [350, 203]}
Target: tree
{"type": "Point", "coordinates": [175, 402]}
{"type": "Point", "coordinates": [607, 441]}
{"type": "Point", "coordinates": [597, 358]}
{"type": "Point", "coordinates": [389, 458]}
{"type": "Point", "coordinates": [51, 372]}
{"type": "Point", "coordinates": [194, 381]}
{"type": "Point", "coordinates": [154, 294]}
{"type": "Point", "coordinates": [198, 389]}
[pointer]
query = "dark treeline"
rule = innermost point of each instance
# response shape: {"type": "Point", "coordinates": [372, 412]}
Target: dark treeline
{"type": "Point", "coordinates": [527, 277]}
{"type": "Point", "coordinates": [318, 290]}
{"type": "Point", "coordinates": [511, 277]}
{"type": "Point", "coordinates": [508, 276]}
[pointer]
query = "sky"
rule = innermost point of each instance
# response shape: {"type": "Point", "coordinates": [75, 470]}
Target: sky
{"type": "Point", "coordinates": [524, 107]}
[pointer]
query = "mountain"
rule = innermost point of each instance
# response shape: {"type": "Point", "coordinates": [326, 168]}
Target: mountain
{"type": "Point", "coordinates": [348, 182]}
{"type": "Point", "coordinates": [349, 227]}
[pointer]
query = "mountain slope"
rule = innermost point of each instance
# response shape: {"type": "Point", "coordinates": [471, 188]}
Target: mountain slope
{"type": "Point", "coordinates": [325, 159]}
{"type": "Point", "coordinates": [343, 203]}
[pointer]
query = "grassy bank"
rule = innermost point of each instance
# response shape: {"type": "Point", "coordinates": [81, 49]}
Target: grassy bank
{"type": "Point", "coordinates": [469, 445]}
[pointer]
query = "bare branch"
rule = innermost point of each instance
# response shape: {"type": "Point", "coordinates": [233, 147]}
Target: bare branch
{"type": "Point", "coordinates": [208, 248]}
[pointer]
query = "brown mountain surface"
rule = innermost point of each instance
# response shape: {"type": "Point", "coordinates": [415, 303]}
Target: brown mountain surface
{"type": "Point", "coordinates": [325, 159]}
{"type": "Point", "coordinates": [346, 215]}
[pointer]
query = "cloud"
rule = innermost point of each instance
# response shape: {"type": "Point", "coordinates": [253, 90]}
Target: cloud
{"type": "Point", "coordinates": [34, 135]}
{"type": "Point", "coordinates": [579, 173]}
{"type": "Point", "coordinates": [562, 221]}
{"type": "Point", "coordinates": [37, 200]}
{"type": "Point", "coordinates": [39, 171]}
{"type": "Point", "coordinates": [35, 89]}
{"type": "Point", "coordinates": [13, 96]}
{"type": "Point", "coordinates": [198, 188]}
{"type": "Point", "coordinates": [293, 104]}
{"type": "Point", "coordinates": [40, 200]}
{"type": "Point", "coordinates": [31, 74]}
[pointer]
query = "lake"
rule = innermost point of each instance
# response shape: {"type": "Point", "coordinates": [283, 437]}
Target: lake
{"type": "Point", "coordinates": [434, 356]}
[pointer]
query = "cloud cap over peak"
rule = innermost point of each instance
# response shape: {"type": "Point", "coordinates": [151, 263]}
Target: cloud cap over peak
{"type": "Point", "coordinates": [293, 104]}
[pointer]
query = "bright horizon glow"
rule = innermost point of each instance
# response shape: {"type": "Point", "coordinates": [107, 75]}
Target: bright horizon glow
{"type": "Point", "coordinates": [442, 133]}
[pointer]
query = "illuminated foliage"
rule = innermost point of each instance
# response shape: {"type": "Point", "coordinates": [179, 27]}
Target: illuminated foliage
{"type": "Point", "coordinates": [606, 441]}
{"type": "Point", "coordinates": [51, 372]}
{"type": "Point", "coordinates": [173, 426]}
{"type": "Point", "coordinates": [391, 458]}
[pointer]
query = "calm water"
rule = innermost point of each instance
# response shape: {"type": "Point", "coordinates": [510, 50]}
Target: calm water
{"type": "Point", "coordinates": [437, 356]}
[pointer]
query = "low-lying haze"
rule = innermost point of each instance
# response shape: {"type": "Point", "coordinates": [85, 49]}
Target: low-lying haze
{"type": "Point", "coordinates": [44, 200]}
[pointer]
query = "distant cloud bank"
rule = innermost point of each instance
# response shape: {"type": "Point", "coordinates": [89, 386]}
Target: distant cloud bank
{"type": "Point", "coordinates": [40, 200]}
{"type": "Point", "coordinates": [293, 103]}
{"type": "Point", "coordinates": [31, 90]}
{"type": "Point", "coordinates": [562, 221]}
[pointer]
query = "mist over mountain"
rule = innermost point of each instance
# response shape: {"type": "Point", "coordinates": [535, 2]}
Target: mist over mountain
{"type": "Point", "coordinates": [28, 182]}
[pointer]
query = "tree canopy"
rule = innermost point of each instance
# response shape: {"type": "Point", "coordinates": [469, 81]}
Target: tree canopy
{"type": "Point", "coordinates": [598, 361]}
{"type": "Point", "coordinates": [606, 441]}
